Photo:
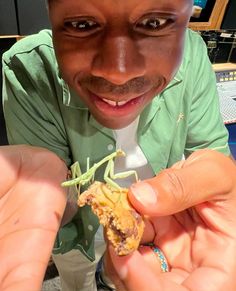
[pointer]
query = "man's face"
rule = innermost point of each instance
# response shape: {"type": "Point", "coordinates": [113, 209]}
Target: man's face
{"type": "Point", "coordinates": [117, 55]}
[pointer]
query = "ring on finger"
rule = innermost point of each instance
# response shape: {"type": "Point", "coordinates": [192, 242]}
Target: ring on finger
{"type": "Point", "coordinates": [161, 257]}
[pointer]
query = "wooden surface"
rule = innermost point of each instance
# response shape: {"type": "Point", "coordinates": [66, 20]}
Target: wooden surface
{"type": "Point", "coordinates": [17, 37]}
{"type": "Point", "coordinates": [224, 67]}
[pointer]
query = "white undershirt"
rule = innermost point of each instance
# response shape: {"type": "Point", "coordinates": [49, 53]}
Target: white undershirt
{"type": "Point", "coordinates": [126, 139]}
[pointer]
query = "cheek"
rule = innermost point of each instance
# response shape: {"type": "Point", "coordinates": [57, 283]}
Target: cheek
{"type": "Point", "coordinates": [163, 56]}
{"type": "Point", "coordinates": [72, 59]}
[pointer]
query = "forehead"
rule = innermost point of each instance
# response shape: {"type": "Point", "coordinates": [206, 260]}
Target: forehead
{"type": "Point", "coordinates": [166, 4]}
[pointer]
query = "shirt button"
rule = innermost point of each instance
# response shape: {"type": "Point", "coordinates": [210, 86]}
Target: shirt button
{"type": "Point", "coordinates": [90, 227]}
{"type": "Point", "coordinates": [110, 147]}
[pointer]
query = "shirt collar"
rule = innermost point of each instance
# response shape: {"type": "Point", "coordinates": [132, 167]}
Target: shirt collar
{"type": "Point", "coordinates": [151, 110]}
{"type": "Point", "coordinates": [71, 99]}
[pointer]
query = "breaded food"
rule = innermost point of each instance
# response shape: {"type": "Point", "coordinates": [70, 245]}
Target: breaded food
{"type": "Point", "coordinates": [123, 225]}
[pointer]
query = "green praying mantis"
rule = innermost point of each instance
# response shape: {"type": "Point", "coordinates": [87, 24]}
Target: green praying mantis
{"type": "Point", "coordinates": [79, 179]}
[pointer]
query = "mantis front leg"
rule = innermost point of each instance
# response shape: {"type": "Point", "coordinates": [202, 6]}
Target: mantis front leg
{"type": "Point", "coordinates": [75, 170]}
{"type": "Point", "coordinates": [109, 175]}
{"type": "Point", "coordinates": [88, 177]}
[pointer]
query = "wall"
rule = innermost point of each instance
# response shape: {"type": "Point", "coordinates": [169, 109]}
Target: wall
{"type": "Point", "coordinates": [5, 44]}
{"type": "Point", "coordinates": [18, 17]}
{"type": "Point", "coordinates": [8, 18]}
{"type": "Point", "coordinates": [229, 21]}
{"type": "Point", "coordinates": [32, 18]}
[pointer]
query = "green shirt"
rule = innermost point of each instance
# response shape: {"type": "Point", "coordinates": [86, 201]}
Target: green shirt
{"type": "Point", "coordinates": [41, 110]}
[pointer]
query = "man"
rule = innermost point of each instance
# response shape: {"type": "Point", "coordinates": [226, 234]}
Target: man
{"type": "Point", "coordinates": [112, 74]}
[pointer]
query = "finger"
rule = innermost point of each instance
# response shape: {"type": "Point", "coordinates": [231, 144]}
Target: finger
{"type": "Point", "coordinates": [136, 274]}
{"type": "Point", "coordinates": [149, 232]}
{"type": "Point", "coordinates": [151, 258]}
{"type": "Point", "coordinates": [206, 176]}
{"type": "Point", "coordinates": [110, 275]}
{"type": "Point", "coordinates": [9, 167]}
{"type": "Point", "coordinates": [29, 220]}
{"type": "Point", "coordinates": [154, 263]}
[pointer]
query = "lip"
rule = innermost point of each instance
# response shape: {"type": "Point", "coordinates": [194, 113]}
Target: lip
{"type": "Point", "coordinates": [119, 110]}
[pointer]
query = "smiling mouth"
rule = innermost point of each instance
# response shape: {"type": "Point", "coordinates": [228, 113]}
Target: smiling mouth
{"type": "Point", "coordinates": [115, 103]}
{"type": "Point", "coordinates": [119, 108]}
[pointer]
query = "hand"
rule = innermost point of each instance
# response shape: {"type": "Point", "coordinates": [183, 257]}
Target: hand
{"type": "Point", "coordinates": [191, 212]}
{"type": "Point", "coordinates": [31, 206]}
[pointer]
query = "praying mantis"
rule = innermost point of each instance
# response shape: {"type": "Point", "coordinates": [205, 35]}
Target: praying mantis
{"type": "Point", "coordinates": [79, 179]}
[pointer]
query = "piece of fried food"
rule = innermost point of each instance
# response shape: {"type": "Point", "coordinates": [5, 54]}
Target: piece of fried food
{"type": "Point", "coordinates": [124, 226]}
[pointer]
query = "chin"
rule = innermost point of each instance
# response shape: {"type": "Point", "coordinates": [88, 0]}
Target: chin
{"type": "Point", "coordinates": [115, 124]}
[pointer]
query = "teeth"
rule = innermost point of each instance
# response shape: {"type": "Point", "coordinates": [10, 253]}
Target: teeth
{"type": "Point", "coordinates": [121, 103]}
{"type": "Point", "coordinates": [110, 102]}
{"type": "Point", "coordinates": [114, 103]}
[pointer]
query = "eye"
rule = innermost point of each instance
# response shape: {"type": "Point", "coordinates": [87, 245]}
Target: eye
{"type": "Point", "coordinates": [82, 26]}
{"type": "Point", "coordinates": [152, 24]}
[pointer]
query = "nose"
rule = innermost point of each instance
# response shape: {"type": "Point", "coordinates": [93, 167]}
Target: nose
{"type": "Point", "coordinates": [118, 60]}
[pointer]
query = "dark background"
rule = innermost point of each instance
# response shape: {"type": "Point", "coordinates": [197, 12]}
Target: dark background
{"type": "Point", "coordinates": [229, 21]}
{"type": "Point", "coordinates": [4, 45]}
{"type": "Point", "coordinates": [19, 17]}
{"type": "Point", "coordinates": [23, 17]}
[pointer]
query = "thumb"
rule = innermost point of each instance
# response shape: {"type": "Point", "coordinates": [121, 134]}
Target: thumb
{"type": "Point", "coordinates": [206, 175]}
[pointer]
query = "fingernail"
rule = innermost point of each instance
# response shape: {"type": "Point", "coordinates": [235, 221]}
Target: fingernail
{"type": "Point", "coordinates": [144, 193]}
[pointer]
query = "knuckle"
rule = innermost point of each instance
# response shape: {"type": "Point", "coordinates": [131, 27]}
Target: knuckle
{"type": "Point", "coordinates": [174, 190]}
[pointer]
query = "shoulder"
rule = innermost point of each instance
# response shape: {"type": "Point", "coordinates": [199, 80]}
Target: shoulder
{"type": "Point", "coordinates": [32, 62]}
{"type": "Point", "coordinates": [193, 37]}
{"type": "Point", "coordinates": [195, 49]}
{"type": "Point", "coordinates": [30, 68]}
{"type": "Point", "coordinates": [31, 49]}
{"type": "Point", "coordinates": [195, 58]}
